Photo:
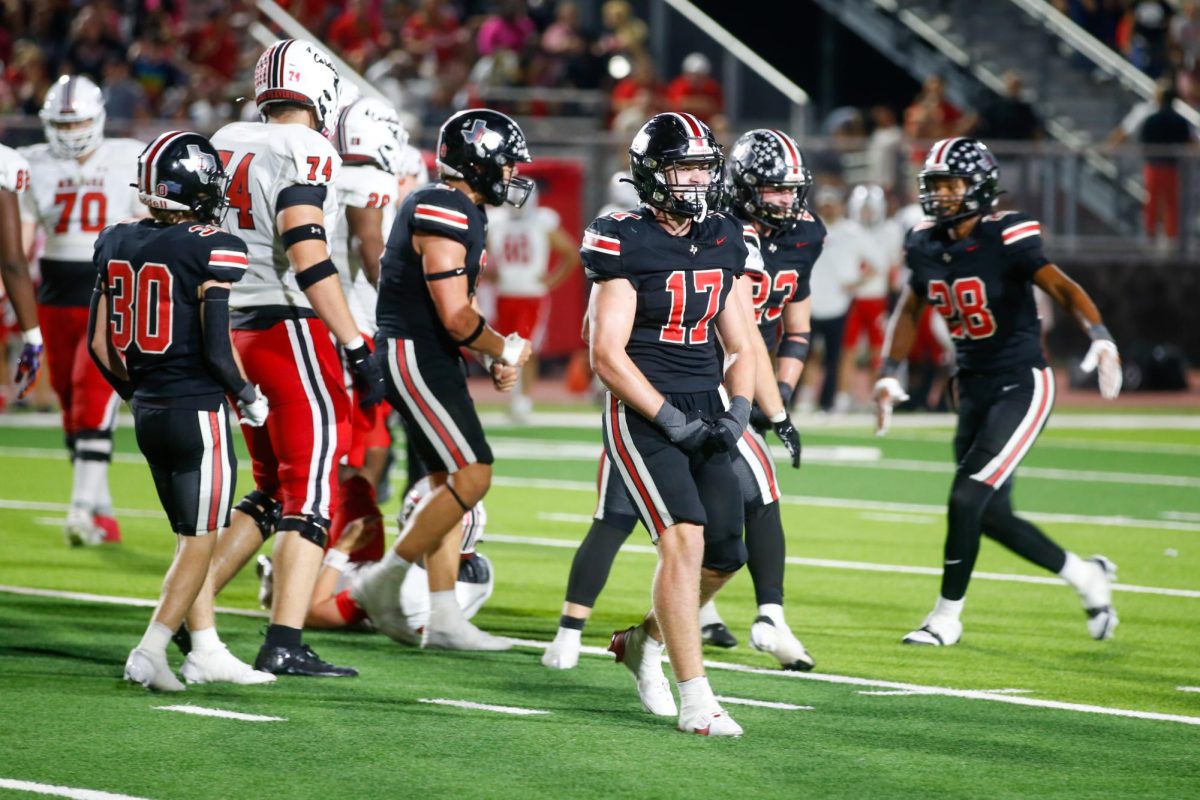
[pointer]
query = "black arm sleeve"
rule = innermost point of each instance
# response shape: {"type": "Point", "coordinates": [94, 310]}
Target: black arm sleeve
{"type": "Point", "coordinates": [122, 387]}
{"type": "Point", "coordinates": [218, 349]}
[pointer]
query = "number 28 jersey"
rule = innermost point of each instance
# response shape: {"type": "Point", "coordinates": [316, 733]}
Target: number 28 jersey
{"type": "Point", "coordinates": [154, 272]}
{"type": "Point", "coordinates": [264, 162]}
{"type": "Point", "coordinates": [682, 284]}
{"type": "Point", "coordinates": [983, 287]}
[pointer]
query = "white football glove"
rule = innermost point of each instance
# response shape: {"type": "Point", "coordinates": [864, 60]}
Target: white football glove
{"type": "Point", "coordinates": [514, 348]}
{"type": "Point", "coordinates": [888, 392]}
{"type": "Point", "coordinates": [254, 413]}
{"type": "Point", "coordinates": [1103, 354]}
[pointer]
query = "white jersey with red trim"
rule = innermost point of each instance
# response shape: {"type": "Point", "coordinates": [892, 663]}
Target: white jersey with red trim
{"type": "Point", "coordinates": [363, 186]}
{"type": "Point", "coordinates": [519, 247]}
{"type": "Point", "coordinates": [73, 202]}
{"type": "Point", "coordinates": [263, 160]}
{"type": "Point", "coordinates": [14, 170]}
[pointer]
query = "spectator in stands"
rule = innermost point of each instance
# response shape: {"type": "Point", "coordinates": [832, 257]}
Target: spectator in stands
{"type": "Point", "coordinates": [624, 34]}
{"type": "Point", "coordinates": [1165, 127]}
{"type": "Point", "coordinates": [124, 98]}
{"type": "Point", "coordinates": [153, 64]}
{"type": "Point", "coordinates": [214, 45]}
{"type": "Point", "coordinates": [510, 29]}
{"type": "Point", "coordinates": [1185, 39]}
{"type": "Point", "coordinates": [1151, 23]}
{"type": "Point", "coordinates": [930, 116]}
{"type": "Point", "coordinates": [695, 91]}
{"type": "Point", "coordinates": [89, 48]}
{"type": "Point", "coordinates": [568, 50]}
{"type": "Point", "coordinates": [29, 77]}
{"type": "Point", "coordinates": [635, 97]}
{"type": "Point", "coordinates": [433, 31]}
{"type": "Point", "coordinates": [1008, 117]}
{"type": "Point", "coordinates": [884, 150]}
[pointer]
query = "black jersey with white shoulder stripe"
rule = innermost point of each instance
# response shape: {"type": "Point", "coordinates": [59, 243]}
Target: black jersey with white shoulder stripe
{"type": "Point", "coordinates": [154, 272]}
{"type": "Point", "coordinates": [788, 259]}
{"type": "Point", "coordinates": [983, 286]}
{"type": "Point", "coordinates": [405, 308]}
{"type": "Point", "coordinates": [682, 283]}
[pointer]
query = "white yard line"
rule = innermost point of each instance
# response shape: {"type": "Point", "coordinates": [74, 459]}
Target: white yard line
{"type": "Point", "coordinates": [905, 693]}
{"type": "Point", "coordinates": [516, 710]}
{"type": "Point", "coordinates": [62, 791]}
{"type": "Point", "coordinates": [745, 701]}
{"type": "Point", "coordinates": [909, 519]}
{"type": "Point", "coordinates": [1189, 689]}
{"type": "Point", "coordinates": [201, 711]}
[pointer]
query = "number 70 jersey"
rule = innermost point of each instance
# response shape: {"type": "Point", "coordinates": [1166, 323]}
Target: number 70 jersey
{"type": "Point", "coordinates": [264, 161]}
{"type": "Point", "coordinates": [682, 284]}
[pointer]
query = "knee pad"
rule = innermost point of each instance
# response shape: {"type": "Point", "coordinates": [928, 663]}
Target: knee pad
{"type": "Point", "coordinates": [725, 555]}
{"type": "Point", "coordinates": [313, 528]}
{"type": "Point", "coordinates": [93, 445]}
{"type": "Point", "coordinates": [265, 511]}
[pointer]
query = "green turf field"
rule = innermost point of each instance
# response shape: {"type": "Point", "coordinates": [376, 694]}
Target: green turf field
{"type": "Point", "coordinates": [1027, 705]}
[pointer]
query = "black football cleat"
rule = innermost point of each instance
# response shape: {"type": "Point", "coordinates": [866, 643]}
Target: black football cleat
{"type": "Point", "coordinates": [718, 635]}
{"type": "Point", "coordinates": [300, 661]}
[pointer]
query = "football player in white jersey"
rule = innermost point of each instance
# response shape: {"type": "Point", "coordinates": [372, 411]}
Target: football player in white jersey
{"type": "Point", "coordinates": [286, 315]}
{"type": "Point", "coordinates": [371, 142]}
{"type": "Point", "coordinates": [14, 269]}
{"type": "Point", "coordinates": [521, 243]}
{"type": "Point", "coordinates": [80, 184]}
{"type": "Point", "coordinates": [867, 317]}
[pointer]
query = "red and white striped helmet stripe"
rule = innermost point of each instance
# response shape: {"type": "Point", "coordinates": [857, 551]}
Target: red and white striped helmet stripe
{"type": "Point", "coordinates": [791, 155]}
{"type": "Point", "coordinates": [697, 134]}
{"type": "Point", "coordinates": [938, 153]}
{"type": "Point", "coordinates": [150, 164]}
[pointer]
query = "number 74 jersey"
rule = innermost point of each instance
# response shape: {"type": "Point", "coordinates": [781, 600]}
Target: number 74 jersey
{"type": "Point", "coordinates": [682, 284]}
{"type": "Point", "coordinates": [983, 287]}
{"type": "Point", "coordinates": [263, 162]}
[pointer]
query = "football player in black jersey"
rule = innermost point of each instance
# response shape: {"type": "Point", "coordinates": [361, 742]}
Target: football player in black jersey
{"type": "Point", "coordinates": [661, 278]}
{"type": "Point", "coordinates": [978, 268]}
{"type": "Point", "coordinates": [159, 332]}
{"type": "Point", "coordinates": [426, 312]}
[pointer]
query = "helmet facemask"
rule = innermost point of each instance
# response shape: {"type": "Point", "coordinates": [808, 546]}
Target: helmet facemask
{"type": "Point", "coordinates": [950, 207]}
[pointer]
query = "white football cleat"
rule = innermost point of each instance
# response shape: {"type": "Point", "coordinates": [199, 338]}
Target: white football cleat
{"type": "Point", "coordinates": [936, 631]}
{"type": "Point", "coordinates": [645, 662]}
{"type": "Point", "coordinates": [151, 670]}
{"type": "Point", "coordinates": [779, 641]}
{"type": "Point", "coordinates": [376, 589]}
{"type": "Point", "coordinates": [80, 529]}
{"type": "Point", "coordinates": [463, 636]}
{"type": "Point", "coordinates": [221, 666]}
{"type": "Point", "coordinates": [561, 654]}
{"type": "Point", "coordinates": [1096, 596]}
{"type": "Point", "coordinates": [266, 580]}
{"type": "Point", "coordinates": [710, 721]}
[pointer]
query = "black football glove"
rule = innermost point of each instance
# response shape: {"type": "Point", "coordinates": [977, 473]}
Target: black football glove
{"type": "Point", "coordinates": [729, 425]}
{"type": "Point", "coordinates": [368, 380]}
{"type": "Point", "coordinates": [688, 431]}
{"type": "Point", "coordinates": [790, 437]}
{"type": "Point", "coordinates": [758, 420]}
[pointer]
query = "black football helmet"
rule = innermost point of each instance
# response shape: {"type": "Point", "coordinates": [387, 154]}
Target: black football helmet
{"type": "Point", "coordinates": [476, 145]}
{"type": "Point", "coordinates": [672, 140]}
{"type": "Point", "coordinates": [181, 171]}
{"type": "Point", "coordinates": [964, 158]}
{"type": "Point", "coordinates": [767, 159]}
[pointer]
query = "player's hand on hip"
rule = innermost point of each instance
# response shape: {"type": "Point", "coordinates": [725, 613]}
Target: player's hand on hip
{"type": "Point", "coordinates": [253, 413]}
{"type": "Point", "coordinates": [790, 437]}
{"type": "Point", "coordinates": [28, 369]}
{"type": "Point", "coordinates": [888, 392]}
{"type": "Point", "coordinates": [516, 350]}
{"type": "Point", "coordinates": [1103, 356]}
{"type": "Point", "coordinates": [368, 378]}
{"type": "Point", "coordinates": [504, 377]}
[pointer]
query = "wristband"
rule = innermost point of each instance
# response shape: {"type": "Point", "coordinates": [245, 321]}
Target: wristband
{"type": "Point", "coordinates": [33, 336]}
{"type": "Point", "coordinates": [475, 334]}
{"type": "Point", "coordinates": [337, 560]}
{"type": "Point", "coordinates": [317, 272]}
{"type": "Point", "coordinates": [1098, 332]}
{"type": "Point", "coordinates": [890, 367]}
{"type": "Point", "coordinates": [301, 233]}
{"type": "Point", "coordinates": [780, 417]}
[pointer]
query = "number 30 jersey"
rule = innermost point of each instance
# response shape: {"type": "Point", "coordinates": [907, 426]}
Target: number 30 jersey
{"type": "Point", "coordinates": [73, 202]}
{"type": "Point", "coordinates": [682, 284]}
{"type": "Point", "coordinates": [154, 272]}
{"type": "Point", "coordinates": [267, 163]}
{"type": "Point", "coordinates": [983, 287]}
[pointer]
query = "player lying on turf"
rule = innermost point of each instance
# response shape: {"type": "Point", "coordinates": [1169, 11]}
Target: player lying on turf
{"type": "Point", "coordinates": [361, 545]}
{"type": "Point", "coordinates": [159, 333]}
{"type": "Point", "coordinates": [978, 269]}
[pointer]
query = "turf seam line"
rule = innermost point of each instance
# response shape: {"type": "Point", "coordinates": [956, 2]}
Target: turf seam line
{"type": "Point", "coordinates": [203, 711]}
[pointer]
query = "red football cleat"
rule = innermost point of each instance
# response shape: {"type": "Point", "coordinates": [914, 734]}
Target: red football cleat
{"type": "Point", "coordinates": [112, 530]}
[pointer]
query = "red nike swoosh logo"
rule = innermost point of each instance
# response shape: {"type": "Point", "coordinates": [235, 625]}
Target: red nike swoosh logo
{"type": "Point", "coordinates": [802, 244]}
{"type": "Point", "coordinates": [721, 241]}
{"type": "Point", "coordinates": [971, 248]}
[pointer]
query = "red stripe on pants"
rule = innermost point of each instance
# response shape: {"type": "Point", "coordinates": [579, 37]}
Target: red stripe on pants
{"type": "Point", "coordinates": [627, 460]}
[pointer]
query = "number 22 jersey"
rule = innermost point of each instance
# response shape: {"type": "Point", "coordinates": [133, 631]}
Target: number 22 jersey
{"type": "Point", "coordinates": [983, 286]}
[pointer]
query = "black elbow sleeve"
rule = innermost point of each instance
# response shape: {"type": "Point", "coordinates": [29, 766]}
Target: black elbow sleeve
{"type": "Point", "coordinates": [218, 349]}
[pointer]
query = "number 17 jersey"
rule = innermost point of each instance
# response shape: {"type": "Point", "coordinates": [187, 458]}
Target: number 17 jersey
{"type": "Point", "coordinates": [682, 284]}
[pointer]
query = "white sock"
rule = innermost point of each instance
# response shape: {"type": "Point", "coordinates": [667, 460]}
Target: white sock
{"type": "Point", "coordinates": [206, 640]}
{"type": "Point", "coordinates": [654, 646]}
{"type": "Point", "coordinates": [568, 636]}
{"type": "Point", "coordinates": [443, 609]}
{"type": "Point", "coordinates": [90, 480]}
{"type": "Point", "coordinates": [773, 612]}
{"type": "Point", "coordinates": [949, 608]}
{"type": "Point", "coordinates": [1075, 571]}
{"type": "Point", "coordinates": [696, 692]}
{"type": "Point", "coordinates": [709, 615]}
{"type": "Point", "coordinates": [155, 638]}
{"type": "Point", "coordinates": [104, 503]}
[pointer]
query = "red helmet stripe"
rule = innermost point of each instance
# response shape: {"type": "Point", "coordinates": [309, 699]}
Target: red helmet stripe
{"type": "Point", "coordinates": [150, 174]}
{"type": "Point", "coordinates": [790, 152]}
{"type": "Point", "coordinates": [68, 99]}
{"type": "Point", "coordinates": [691, 124]}
{"type": "Point", "coordinates": [939, 158]}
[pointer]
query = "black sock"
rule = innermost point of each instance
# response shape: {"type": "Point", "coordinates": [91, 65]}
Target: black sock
{"type": "Point", "coordinates": [574, 623]}
{"type": "Point", "coordinates": [766, 549]}
{"type": "Point", "coordinates": [283, 636]}
{"type": "Point", "coordinates": [593, 561]}
{"type": "Point", "coordinates": [964, 519]}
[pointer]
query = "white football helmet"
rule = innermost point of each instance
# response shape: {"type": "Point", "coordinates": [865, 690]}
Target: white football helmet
{"type": "Point", "coordinates": [369, 130]}
{"type": "Point", "coordinates": [73, 99]}
{"type": "Point", "coordinates": [868, 205]}
{"type": "Point", "coordinates": [414, 165]}
{"type": "Point", "coordinates": [621, 191]}
{"type": "Point", "coordinates": [297, 71]}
